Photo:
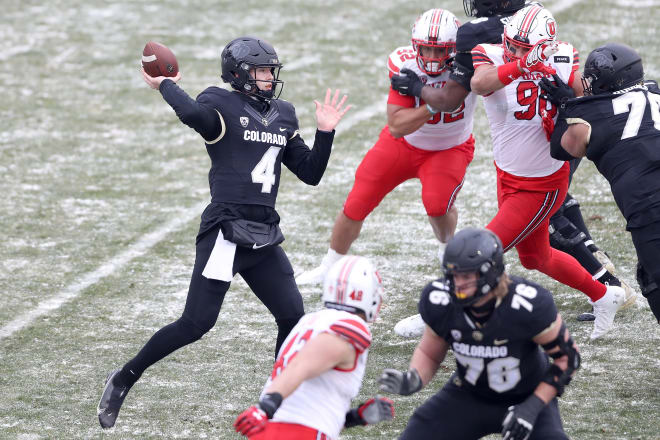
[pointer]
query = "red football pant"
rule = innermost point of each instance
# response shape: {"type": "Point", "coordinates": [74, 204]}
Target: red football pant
{"type": "Point", "coordinates": [392, 161]}
{"type": "Point", "coordinates": [525, 207]}
{"type": "Point", "coordinates": [288, 431]}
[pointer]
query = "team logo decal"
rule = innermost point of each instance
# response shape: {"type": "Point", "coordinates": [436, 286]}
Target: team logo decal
{"type": "Point", "coordinates": [477, 335]}
{"type": "Point", "coordinates": [264, 121]}
{"type": "Point", "coordinates": [551, 27]}
{"type": "Point", "coordinates": [456, 334]}
{"type": "Point", "coordinates": [244, 121]}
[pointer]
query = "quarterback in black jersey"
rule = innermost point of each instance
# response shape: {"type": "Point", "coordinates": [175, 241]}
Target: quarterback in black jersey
{"type": "Point", "coordinates": [249, 133]}
{"type": "Point", "coordinates": [617, 126]}
{"type": "Point", "coordinates": [494, 324]}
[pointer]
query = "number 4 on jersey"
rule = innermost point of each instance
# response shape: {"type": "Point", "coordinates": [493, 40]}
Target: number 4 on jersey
{"type": "Point", "coordinates": [264, 171]}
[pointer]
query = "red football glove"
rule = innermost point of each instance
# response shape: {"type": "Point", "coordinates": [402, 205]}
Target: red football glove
{"type": "Point", "coordinates": [251, 421]}
{"type": "Point", "coordinates": [548, 124]}
{"type": "Point", "coordinates": [534, 60]}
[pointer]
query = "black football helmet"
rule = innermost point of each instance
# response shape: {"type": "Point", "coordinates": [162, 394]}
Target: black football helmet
{"type": "Point", "coordinates": [474, 250]}
{"type": "Point", "coordinates": [487, 8]}
{"type": "Point", "coordinates": [612, 67]}
{"type": "Point", "coordinates": [246, 53]}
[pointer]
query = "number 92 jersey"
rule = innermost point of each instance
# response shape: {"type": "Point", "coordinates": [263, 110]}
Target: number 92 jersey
{"type": "Point", "coordinates": [443, 130]}
{"type": "Point", "coordinates": [498, 360]}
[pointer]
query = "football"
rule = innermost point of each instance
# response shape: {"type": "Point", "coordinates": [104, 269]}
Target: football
{"type": "Point", "coordinates": [159, 60]}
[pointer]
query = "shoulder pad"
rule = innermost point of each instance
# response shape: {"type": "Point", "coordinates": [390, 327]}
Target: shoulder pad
{"type": "Point", "coordinates": [354, 330]}
{"type": "Point", "coordinates": [399, 56]}
{"type": "Point", "coordinates": [652, 85]}
{"type": "Point", "coordinates": [213, 94]}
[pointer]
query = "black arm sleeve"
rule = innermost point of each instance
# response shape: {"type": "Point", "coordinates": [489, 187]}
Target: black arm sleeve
{"type": "Point", "coordinates": [556, 150]}
{"type": "Point", "coordinates": [462, 70]}
{"type": "Point", "coordinates": [309, 165]}
{"type": "Point", "coordinates": [202, 118]}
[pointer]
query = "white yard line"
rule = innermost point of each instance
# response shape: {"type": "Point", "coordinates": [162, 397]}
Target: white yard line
{"type": "Point", "coordinates": [138, 249]}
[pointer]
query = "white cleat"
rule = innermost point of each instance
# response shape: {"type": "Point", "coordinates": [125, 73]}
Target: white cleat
{"type": "Point", "coordinates": [410, 327]}
{"type": "Point", "coordinates": [313, 276]}
{"type": "Point", "coordinates": [605, 309]}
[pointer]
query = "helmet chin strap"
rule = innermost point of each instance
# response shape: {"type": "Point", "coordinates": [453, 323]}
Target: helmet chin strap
{"type": "Point", "coordinates": [485, 308]}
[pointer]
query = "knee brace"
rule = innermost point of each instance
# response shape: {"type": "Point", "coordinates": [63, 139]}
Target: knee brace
{"type": "Point", "coordinates": [563, 234]}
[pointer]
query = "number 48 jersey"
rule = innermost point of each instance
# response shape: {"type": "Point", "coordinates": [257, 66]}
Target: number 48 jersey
{"type": "Point", "coordinates": [322, 402]}
{"type": "Point", "coordinates": [520, 146]}
{"type": "Point", "coordinates": [498, 360]}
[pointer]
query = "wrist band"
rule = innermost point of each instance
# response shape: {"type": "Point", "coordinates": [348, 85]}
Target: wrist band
{"type": "Point", "coordinates": [431, 109]}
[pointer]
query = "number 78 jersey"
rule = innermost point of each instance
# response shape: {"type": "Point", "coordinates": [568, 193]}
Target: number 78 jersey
{"type": "Point", "coordinates": [322, 402]}
{"type": "Point", "coordinates": [497, 360]}
{"type": "Point", "coordinates": [520, 146]}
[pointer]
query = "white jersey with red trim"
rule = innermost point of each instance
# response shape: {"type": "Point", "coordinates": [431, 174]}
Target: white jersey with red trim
{"type": "Point", "coordinates": [322, 402]}
{"type": "Point", "coordinates": [443, 130]}
{"type": "Point", "coordinates": [520, 145]}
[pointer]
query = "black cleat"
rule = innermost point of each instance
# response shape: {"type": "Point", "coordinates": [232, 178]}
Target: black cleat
{"type": "Point", "coordinates": [112, 398]}
{"type": "Point", "coordinates": [587, 316]}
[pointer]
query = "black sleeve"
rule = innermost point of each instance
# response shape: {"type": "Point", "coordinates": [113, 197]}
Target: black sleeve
{"type": "Point", "coordinates": [309, 165]}
{"type": "Point", "coordinates": [198, 116]}
{"type": "Point", "coordinates": [556, 150]}
{"type": "Point", "coordinates": [462, 69]}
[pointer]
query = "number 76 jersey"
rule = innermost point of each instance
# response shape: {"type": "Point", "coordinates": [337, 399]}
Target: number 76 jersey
{"type": "Point", "coordinates": [322, 401]}
{"type": "Point", "coordinates": [497, 360]}
{"type": "Point", "coordinates": [515, 112]}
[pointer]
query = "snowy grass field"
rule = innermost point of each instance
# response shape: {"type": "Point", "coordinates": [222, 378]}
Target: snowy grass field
{"type": "Point", "coordinates": [102, 188]}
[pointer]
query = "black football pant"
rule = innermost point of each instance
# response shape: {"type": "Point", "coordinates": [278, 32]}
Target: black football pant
{"type": "Point", "coordinates": [647, 245]}
{"type": "Point", "coordinates": [455, 413]}
{"type": "Point", "coordinates": [267, 271]}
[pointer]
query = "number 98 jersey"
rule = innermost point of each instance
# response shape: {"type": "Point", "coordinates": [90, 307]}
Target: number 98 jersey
{"type": "Point", "coordinates": [520, 145]}
{"type": "Point", "coordinates": [497, 360]}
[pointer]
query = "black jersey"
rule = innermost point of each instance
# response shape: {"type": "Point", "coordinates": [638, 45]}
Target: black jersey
{"type": "Point", "coordinates": [497, 360]}
{"type": "Point", "coordinates": [478, 31]}
{"type": "Point", "coordinates": [625, 147]}
{"type": "Point", "coordinates": [248, 141]}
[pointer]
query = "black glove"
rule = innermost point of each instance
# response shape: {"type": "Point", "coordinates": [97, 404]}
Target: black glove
{"type": "Point", "coordinates": [376, 410]}
{"type": "Point", "coordinates": [519, 421]}
{"type": "Point", "coordinates": [407, 83]}
{"type": "Point", "coordinates": [557, 93]}
{"type": "Point", "coordinates": [399, 382]}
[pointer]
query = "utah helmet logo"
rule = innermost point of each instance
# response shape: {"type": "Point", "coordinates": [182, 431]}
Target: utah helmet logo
{"type": "Point", "coordinates": [244, 121]}
{"type": "Point", "coordinates": [551, 27]}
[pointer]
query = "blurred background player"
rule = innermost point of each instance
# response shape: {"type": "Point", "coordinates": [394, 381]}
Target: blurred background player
{"type": "Point", "coordinates": [617, 126]}
{"type": "Point", "coordinates": [495, 325]}
{"type": "Point", "coordinates": [417, 142]}
{"type": "Point", "coordinates": [249, 133]}
{"type": "Point", "coordinates": [530, 184]}
{"type": "Point", "coordinates": [320, 367]}
{"type": "Point", "coordinates": [487, 28]}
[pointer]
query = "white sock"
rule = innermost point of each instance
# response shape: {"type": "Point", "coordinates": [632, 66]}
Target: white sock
{"type": "Point", "coordinates": [331, 258]}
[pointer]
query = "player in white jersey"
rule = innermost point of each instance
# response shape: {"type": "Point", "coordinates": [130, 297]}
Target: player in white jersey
{"type": "Point", "coordinates": [320, 367]}
{"type": "Point", "coordinates": [417, 142]}
{"type": "Point", "coordinates": [531, 184]}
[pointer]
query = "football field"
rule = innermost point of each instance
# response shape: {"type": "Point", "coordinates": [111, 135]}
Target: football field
{"type": "Point", "coordinates": [102, 190]}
